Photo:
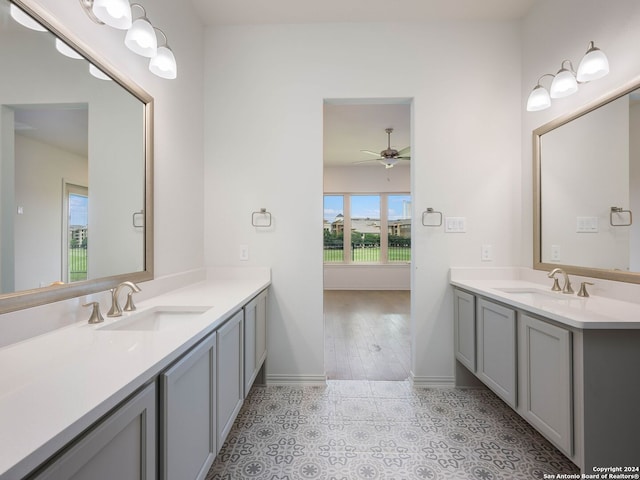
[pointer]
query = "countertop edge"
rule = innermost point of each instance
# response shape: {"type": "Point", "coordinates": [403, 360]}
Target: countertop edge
{"type": "Point", "coordinates": [18, 468]}
{"type": "Point", "coordinates": [488, 289]}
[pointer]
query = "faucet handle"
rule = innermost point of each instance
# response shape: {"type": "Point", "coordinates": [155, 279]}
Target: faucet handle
{"type": "Point", "coordinates": [583, 289]}
{"type": "Point", "coordinates": [556, 285]}
{"type": "Point", "coordinates": [129, 306]}
{"type": "Point", "coordinates": [96, 316]}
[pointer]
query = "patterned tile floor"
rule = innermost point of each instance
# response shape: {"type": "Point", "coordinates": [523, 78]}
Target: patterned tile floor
{"type": "Point", "coordinates": [351, 430]}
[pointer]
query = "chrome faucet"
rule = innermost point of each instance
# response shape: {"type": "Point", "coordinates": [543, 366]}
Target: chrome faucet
{"type": "Point", "coordinates": [116, 310]}
{"type": "Point", "coordinates": [566, 288]}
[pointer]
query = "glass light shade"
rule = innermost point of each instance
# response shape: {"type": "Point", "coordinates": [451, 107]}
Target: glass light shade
{"type": "Point", "coordinates": [115, 13]}
{"type": "Point", "coordinates": [164, 63]}
{"type": "Point", "coordinates": [141, 38]}
{"type": "Point", "coordinates": [66, 50]}
{"type": "Point", "coordinates": [25, 20]}
{"type": "Point", "coordinates": [539, 99]}
{"type": "Point", "coordinates": [594, 65]}
{"type": "Point", "coordinates": [96, 72]}
{"type": "Point", "coordinates": [563, 85]}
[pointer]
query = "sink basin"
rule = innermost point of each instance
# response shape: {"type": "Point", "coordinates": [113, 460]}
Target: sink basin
{"type": "Point", "coordinates": [532, 291]}
{"type": "Point", "coordinates": [156, 318]}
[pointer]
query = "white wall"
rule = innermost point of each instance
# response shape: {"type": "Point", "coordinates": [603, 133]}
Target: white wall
{"type": "Point", "coordinates": [265, 87]}
{"type": "Point", "coordinates": [38, 231]}
{"type": "Point", "coordinates": [178, 152]}
{"type": "Point", "coordinates": [554, 31]}
{"type": "Point", "coordinates": [369, 179]}
{"type": "Point", "coordinates": [634, 184]}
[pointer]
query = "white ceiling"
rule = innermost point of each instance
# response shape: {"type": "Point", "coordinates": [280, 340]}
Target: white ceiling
{"type": "Point", "coordinates": [351, 128]}
{"type": "Point", "coordinates": [62, 125]}
{"type": "Point", "coordinates": [243, 12]}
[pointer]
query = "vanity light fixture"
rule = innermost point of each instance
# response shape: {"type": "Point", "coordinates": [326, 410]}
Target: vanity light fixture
{"type": "Point", "coordinates": [564, 82]}
{"type": "Point", "coordinates": [115, 13]}
{"type": "Point", "coordinates": [67, 51]}
{"type": "Point", "coordinates": [539, 98]}
{"type": "Point", "coordinates": [141, 37]}
{"type": "Point", "coordinates": [594, 65]}
{"type": "Point", "coordinates": [96, 72]}
{"type": "Point", "coordinates": [164, 63]}
{"type": "Point", "coordinates": [23, 19]}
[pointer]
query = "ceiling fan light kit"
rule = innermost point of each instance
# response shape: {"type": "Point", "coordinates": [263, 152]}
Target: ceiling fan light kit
{"type": "Point", "coordinates": [390, 156]}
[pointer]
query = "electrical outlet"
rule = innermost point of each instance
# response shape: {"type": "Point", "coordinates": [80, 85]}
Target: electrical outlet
{"type": "Point", "coordinates": [487, 253]}
{"type": "Point", "coordinates": [244, 252]}
{"type": "Point", "coordinates": [555, 253]}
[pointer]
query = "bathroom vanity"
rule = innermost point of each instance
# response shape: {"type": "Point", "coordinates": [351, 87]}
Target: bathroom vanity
{"type": "Point", "coordinates": [566, 364]}
{"type": "Point", "coordinates": [151, 394]}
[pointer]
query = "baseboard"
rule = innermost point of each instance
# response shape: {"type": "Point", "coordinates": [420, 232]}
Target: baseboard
{"type": "Point", "coordinates": [301, 380]}
{"type": "Point", "coordinates": [417, 381]}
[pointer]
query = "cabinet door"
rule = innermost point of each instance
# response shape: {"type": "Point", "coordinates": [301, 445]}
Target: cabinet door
{"type": "Point", "coordinates": [497, 349]}
{"type": "Point", "coordinates": [122, 446]}
{"type": "Point", "coordinates": [229, 366]}
{"type": "Point", "coordinates": [188, 433]}
{"type": "Point", "coordinates": [255, 338]}
{"type": "Point", "coordinates": [547, 379]}
{"type": "Point", "coordinates": [464, 327]}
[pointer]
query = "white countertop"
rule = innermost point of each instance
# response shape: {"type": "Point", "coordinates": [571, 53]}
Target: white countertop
{"type": "Point", "coordinates": [594, 312]}
{"type": "Point", "coordinates": [54, 386]}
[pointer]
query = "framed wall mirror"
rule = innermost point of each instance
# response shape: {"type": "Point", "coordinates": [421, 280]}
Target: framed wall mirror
{"type": "Point", "coordinates": [587, 189]}
{"type": "Point", "coordinates": [76, 165]}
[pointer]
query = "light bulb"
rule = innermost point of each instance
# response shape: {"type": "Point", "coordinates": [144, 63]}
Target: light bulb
{"type": "Point", "coordinates": [564, 84]}
{"type": "Point", "coordinates": [66, 50]}
{"type": "Point", "coordinates": [594, 65]}
{"type": "Point", "coordinates": [96, 72]}
{"type": "Point", "coordinates": [164, 63]}
{"type": "Point", "coordinates": [115, 13]}
{"type": "Point", "coordinates": [539, 99]}
{"type": "Point", "coordinates": [24, 19]}
{"type": "Point", "coordinates": [141, 38]}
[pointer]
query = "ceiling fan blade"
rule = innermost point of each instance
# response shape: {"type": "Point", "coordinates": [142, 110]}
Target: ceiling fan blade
{"type": "Point", "coordinates": [367, 161]}
{"type": "Point", "coordinates": [404, 151]}
{"type": "Point", "coordinates": [403, 158]}
{"type": "Point", "coordinates": [377, 154]}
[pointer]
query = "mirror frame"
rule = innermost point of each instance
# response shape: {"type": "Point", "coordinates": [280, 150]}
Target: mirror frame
{"type": "Point", "coordinates": [538, 264]}
{"type": "Point", "coordinates": [10, 302]}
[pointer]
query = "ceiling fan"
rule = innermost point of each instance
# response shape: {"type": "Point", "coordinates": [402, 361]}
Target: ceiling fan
{"type": "Point", "coordinates": [390, 156]}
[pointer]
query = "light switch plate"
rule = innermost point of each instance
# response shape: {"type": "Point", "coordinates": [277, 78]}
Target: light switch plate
{"type": "Point", "coordinates": [455, 224]}
{"type": "Point", "coordinates": [587, 224]}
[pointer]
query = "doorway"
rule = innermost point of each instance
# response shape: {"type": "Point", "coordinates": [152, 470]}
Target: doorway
{"type": "Point", "coordinates": [367, 239]}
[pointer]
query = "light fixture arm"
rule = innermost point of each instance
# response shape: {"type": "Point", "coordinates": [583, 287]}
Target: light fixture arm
{"type": "Point", "coordinates": [542, 76]}
{"type": "Point", "coordinates": [144, 12]}
{"type": "Point", "coordinates": [166, 40]}
{"type": "Point", "coordinates": [87, 6]}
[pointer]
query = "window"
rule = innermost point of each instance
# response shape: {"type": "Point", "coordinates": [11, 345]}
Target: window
{"type": "Point", "coordinates": [333, 229]}
{"type": "Point", "coordinates": [399, 228]}
{"type": "Point", "coordinates": [75, 226]}
{"type": "Point", "coordinates": [367, 217]}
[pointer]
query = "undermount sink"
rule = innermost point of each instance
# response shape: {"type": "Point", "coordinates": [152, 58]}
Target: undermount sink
{"type": "Point", "coordinates": [534, 292]}
{"type": "Point", "coordinates": [157, 318]}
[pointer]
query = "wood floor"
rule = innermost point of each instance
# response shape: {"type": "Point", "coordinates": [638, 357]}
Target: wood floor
{"type": "Point", "coordinates": [367, 334]}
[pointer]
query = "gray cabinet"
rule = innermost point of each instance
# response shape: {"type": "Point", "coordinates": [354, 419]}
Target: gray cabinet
{"type": "Point", "coordinates": [546, 380]}
{"type": "Point", "coordinates": [496, 349]}
{"type": "Point", "coordinates": [230, 373]}
{"type": "Point", "coordinates": [121, 446]}
{"type": "Point", "coordinates": [465, 328]}
{"type": "Point", "coordinates": [255, 338]}
{"type": "Point", "coordinates": [188, 418]}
